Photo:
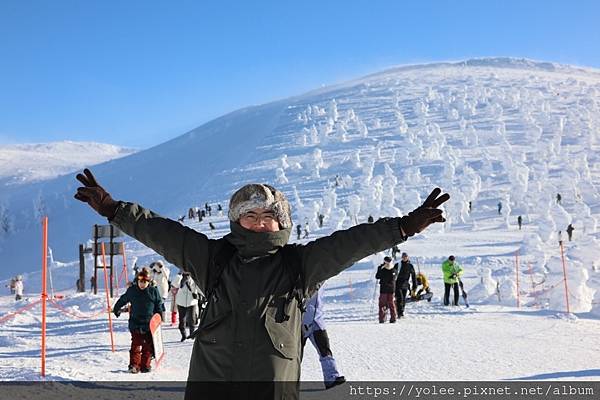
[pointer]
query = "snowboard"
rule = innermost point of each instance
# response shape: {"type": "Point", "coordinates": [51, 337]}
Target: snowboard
{"type": "Point", "coordinates": [424, 296]}
{"type": "Point", "coordinates": [156, 332]}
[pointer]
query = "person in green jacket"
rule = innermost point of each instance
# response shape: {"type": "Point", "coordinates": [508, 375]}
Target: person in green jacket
{"type": "Point", "coordinates": [251, 327]}
{"type": "Point", "coordinates": [452, 272]}
{"type": "Point", "coordinates": [145, 301]}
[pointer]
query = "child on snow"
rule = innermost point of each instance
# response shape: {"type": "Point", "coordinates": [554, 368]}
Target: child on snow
{"type": "Point", "coordinates": [145, 302]}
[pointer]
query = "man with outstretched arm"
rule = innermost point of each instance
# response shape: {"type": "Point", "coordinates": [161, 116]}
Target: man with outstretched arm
{"type": "Point", "coordinates": [250, 329]}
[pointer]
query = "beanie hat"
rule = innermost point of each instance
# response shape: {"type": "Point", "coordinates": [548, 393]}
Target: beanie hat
{"type": "Point", "coordinates": [143, 275]}
{"type": "Point", "coordinates": [451, 258]}
{"type": "Point", "coordinates": [256, 195]}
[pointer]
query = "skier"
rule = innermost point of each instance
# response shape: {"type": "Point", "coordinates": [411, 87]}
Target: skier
{"type": "Point", "coordinates": [18, 287]}
{"type": "Point", "coordinates": [452, 272]}
{"type": "Point", "coordinates": [407, 271]}
{"type": "Point", "coordinates": [321, 218]}
{"type": "Point", "coordinates": [160, 275]}
{"type": "Point", "coordinates": [570, 230]}
{"type": "Point", "coordinates": [370, 219]}
{"type": "Point", "coordinates": [387, 273]}
{"type": "Point", "coordinates": [299, 230]}
{"type": "Point", "coordinates": [470, 206]}
{"type": "Point", "coordinates": [220, 209]}
{"type": "Point", "coordinates": [499, 208]}
{"type": "Point", "coordinates": [519, 221]}
{"type": "Point", "coordinates": [306, 230]}
{"type": "Point", "coordinates": [558, 198]}
{"type": "Point", "coordinates": [211, 226]}
{"type": "Point", "coordinates": [191, 213]}
{"type": "Point", "coordinates": [187, 305]}
{"type": "Point", "coordinates": [313, 325]}
{"type": "Point", "coordinates": [254, 270]}
{"type": "Point", "coordinates": [145, 302]}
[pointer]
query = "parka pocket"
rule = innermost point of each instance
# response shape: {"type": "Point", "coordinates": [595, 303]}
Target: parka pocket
{"type": "Point", "coordinates": [283, 340]}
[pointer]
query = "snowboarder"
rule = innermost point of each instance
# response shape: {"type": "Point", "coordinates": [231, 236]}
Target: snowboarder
{"type": "Point", "coordinates": [370, 219]}
{"type": "Point", "coordinates": [18, 287]}
{"type": "Point", "coordinates": [519, 221]}
{"type": "Point", "coordinates": [387, 273]}
{"type": "Point", "coordinates": [499, 208]}
{"type": "Point", "coordinates": [558, 198]}
{"type": "Point", "coordinates": [187, 305]}
{"type": "Point", "coordinates": [407, 271]}
{"type": "Point", "coordinates": [313, 328]}
{"type": "Point", "coordinates": [452, 272]}
{"type": "Point", "coordinates": [424, 282]}
{"type": "Point", "coordinates": [570, 230]}
{"type": "Point", "coordinates": [299, 230]}
{"type": "Point", "coordinates": [145, 302]}
{"type": "Point", "coordinates": [261, 340]}
{"type": "Point", "coordinates": [160, 275]}
{"type": "Point", "coordinates": [321, 218]}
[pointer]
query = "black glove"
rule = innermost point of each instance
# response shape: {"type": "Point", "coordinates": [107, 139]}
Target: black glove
{"type": "Point", "coordinates": [425, 215]}
{"type": "Point", "coordinates": [195, 295]}
{"type": "Point", "coordinates": [95, 195]}
{"type": "Point", "coordinates": [117, 313]}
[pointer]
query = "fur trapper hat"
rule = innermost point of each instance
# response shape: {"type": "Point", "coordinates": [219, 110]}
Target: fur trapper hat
{"type": "Point", "coordinates": [256, 195]}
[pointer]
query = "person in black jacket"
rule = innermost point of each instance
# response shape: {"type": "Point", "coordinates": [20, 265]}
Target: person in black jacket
{"type": "Point", "coordinates": [386, 273]}
{"type": "Point", "coordinates": [145, 302]}
{"type": "Point", "coordinates": [407, 270]}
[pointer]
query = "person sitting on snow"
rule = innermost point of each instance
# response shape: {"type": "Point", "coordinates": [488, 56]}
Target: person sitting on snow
{"type": "Point", "coordinates": [424, 292]}
{"type": "Point", "coordinates": [145, 302]}
{"type": "Point", "coordinates": [254, 281]}
{"type": "Point", "coordinates": [313, 325]}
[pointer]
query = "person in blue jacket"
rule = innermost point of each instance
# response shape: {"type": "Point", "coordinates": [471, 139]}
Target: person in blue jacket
{"type": "Point", "coordinates": [314, 329]}
{"type": "Point", "coordinates": [145, 301]}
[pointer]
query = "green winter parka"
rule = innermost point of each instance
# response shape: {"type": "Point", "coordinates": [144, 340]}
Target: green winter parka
{"type": "Point", "coordinates": [451, 269]}
{"type": "Point", "coordinates": [249, 334]}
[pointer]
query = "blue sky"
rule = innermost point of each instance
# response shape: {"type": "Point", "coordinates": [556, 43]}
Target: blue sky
{"type": "Point", "coordinates": [138, 73]}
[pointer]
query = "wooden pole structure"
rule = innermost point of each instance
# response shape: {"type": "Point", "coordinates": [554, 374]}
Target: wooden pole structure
{"type": "Point", "coordinates": [107, 289]}
{"type": "Point", "coordinates": [44, 294]}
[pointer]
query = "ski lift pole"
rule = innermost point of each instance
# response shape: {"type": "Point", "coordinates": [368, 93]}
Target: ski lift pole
{"type": "Point", "coordinates": [562, 255]}
{"type": "Point", "coordinates": [106, 289]}
{"type": "Point", "coordinates": [44, 294]}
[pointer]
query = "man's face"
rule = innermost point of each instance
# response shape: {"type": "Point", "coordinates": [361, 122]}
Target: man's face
{"type": "Point", "coordinates": [260, 220]}
{"type": "Point", "coordinates": [404, 258]}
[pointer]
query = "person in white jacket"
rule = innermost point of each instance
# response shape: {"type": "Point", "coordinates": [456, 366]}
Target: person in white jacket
{"type": "Point", "coordinates": [18, 288]}
{"type": "Point", "coordinates": [187, 304]}
{"type": "Point", "coordinates": [161, 278]}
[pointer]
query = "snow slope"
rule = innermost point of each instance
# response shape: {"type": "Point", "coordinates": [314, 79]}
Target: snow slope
{"type": "Point", "coordinates": [25, 163]}
{"type": "Point", "coordinates": [487, 131]}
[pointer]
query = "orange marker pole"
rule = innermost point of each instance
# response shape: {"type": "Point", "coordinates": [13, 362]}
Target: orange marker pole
{"type": "Point", "coordinates": [562, 255]}
{"type": "Point", "coordinates": [517, 273]}
{"type": "Point", "coordinates": [44, 294]}
{"type": "Point", "coordinates": [106, 289]}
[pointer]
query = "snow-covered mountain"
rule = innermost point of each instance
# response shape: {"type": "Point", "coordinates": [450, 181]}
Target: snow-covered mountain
{"type": "Point", "coordinates": [26, 163]}
{"type": "Point", "coordinates": [487, 131]}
